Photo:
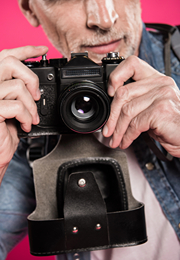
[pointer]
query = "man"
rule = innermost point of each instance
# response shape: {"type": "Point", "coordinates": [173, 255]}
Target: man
{"type": "Point", "coordinates": [151, 103]}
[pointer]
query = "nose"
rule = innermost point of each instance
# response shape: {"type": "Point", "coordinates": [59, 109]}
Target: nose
{"type": "Point", "coordinates": [100, 13]}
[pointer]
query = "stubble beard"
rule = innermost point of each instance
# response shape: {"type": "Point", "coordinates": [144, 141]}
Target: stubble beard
{"type": "Point", "coordinates": [128, 45]}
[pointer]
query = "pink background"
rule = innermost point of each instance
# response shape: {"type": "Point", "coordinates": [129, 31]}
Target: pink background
{"type": "Point", "coordinates": [15, 31]}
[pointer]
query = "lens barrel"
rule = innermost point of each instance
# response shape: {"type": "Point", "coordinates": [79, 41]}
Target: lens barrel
{"type": "Point", "coordinates": [84, 107]}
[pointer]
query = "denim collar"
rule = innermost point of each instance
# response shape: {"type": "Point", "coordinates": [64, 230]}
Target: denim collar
{"type": "Point", "coordinates": [151, 49]}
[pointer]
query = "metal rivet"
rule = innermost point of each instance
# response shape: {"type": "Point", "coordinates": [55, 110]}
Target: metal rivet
{"type": "Point", "coordinates": [82, 182]}
{"type": "Point", "coordinates": [98, 226]}
{"type": "Point", "coordinates": [75, 230]}
{"type": "Point", "coordinates": [149, 166]}
{"type": "Point", "coordinates": [76, 256]}
{"type": "Point", "coordinates": [50, 76]}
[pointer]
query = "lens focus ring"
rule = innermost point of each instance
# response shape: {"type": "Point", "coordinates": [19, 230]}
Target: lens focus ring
{"type": "Point", "coordinates": [84, 107]}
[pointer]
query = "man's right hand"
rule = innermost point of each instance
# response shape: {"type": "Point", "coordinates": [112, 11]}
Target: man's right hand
{"type": "Point", "coordinates": [19, 87]}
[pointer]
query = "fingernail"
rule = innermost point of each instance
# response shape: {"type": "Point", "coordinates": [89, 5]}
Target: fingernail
{"type": "Point", "coordinates": [105, 130]}
{"type": "Point", "coordinates": [111, 91]}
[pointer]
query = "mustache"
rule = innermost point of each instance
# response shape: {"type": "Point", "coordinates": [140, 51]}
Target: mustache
{"type": "Point", "coordinates": [101, 37]}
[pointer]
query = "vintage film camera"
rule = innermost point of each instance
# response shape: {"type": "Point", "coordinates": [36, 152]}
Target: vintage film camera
{"type": "Point", "coordinates": [73, 94]}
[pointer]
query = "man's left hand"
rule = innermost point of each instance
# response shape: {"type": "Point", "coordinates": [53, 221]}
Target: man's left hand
{"type": "Point", "coordinates": [151, 103]}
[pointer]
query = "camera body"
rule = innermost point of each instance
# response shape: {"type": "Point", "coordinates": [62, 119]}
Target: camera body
{"type": "Point", "coordinates": [73, 94]}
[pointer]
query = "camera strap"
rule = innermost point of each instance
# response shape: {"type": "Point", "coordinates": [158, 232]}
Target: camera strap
{"type": "Point", "coordinates": [171, 41]}
{"type": "Point", "coordinates": [40, 146]}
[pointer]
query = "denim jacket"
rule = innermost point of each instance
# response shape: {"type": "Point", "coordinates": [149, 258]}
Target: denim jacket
{"type": "Point", "coordinates": [164, 177]}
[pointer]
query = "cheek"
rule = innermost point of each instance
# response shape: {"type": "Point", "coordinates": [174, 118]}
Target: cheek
{"type": "Point", "coordinates": [132, 18]}
{"type": "Point", "coordinates": [129, 11]}
{"type": "Point", "coordinates": [63, 28]}
{"type": "Point", "coordinates": [71, 29]}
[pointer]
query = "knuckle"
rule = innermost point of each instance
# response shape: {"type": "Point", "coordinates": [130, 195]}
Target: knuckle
{"type": "Point", "coordinates": [3, 54]}
{"type": "Point", "coordinates": [18, 106]}
{"type": "Point", "coordinates": [134, 124]}
{"type": "Point", "coordinates": [166, 81]}
{"type": "Point", "coordinates": [127, 110]}
{"type": "Point", "coordinates": [163, 107]}
{"type": "Point", "coordinates": [10, 60]}
{"type": "Point", "coordinates": [122, 93]}
{"type": "Point", "coordinates": [169, 81]}
{"type": "Point", "coordinates": [167, 91]}
{"type": "Point", "coordinates": [133, 61]}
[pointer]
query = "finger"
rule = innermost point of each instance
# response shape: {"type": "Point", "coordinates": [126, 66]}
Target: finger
{"type": "Point", "coordinates": [129, 111]}
{"type": "Point", "coordinates": [132, 67]}
{"type": "Point", "coordinates": [15, 109]}
{"type": "Point", "coordinates": [139, 124]}
{"type": "Point", "coordinates": [11, 67]}
{"type": "Point", "coordinates": [130, 91]}
{"type": "Point", "coordinates": [23, 53]}
{"type": "Point", "coordinates": [134, 107]}
{"type": "Point", "coordinates": [16, 90]}
{"type": "Point", "coordinates": [125, 94]}
{"type": "Point", "coordinates": [157, 119]}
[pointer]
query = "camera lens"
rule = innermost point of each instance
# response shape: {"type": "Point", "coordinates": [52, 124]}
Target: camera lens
{"type": "Point", "coordinates": [84, 107]}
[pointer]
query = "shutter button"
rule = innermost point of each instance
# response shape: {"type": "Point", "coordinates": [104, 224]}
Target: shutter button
{"type": "Point", "coordinates": [149, 166]}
